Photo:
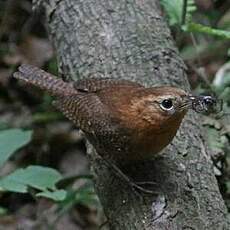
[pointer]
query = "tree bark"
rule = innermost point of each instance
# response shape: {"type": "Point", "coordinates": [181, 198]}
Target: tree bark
{"type": "Point", "coordinates": [129, 39]}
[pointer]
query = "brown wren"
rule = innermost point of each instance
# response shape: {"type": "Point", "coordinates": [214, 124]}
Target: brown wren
{"type": "Point", "coordinates": [123, 120]}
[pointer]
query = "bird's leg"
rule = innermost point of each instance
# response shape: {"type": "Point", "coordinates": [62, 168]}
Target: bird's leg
{"type": "Point", "coordinates": [135, 185]}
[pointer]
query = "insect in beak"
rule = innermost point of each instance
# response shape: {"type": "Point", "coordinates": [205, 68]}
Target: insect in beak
{"type": "Point", "coordinates": [205, 104]}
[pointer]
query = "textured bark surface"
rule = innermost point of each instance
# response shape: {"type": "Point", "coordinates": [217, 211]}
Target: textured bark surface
{"type": "Point", "coordinates": [129, 39]}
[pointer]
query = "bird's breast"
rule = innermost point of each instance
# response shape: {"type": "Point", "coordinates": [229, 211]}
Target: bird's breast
{"type": "Point", "coordinates": [149, 141]}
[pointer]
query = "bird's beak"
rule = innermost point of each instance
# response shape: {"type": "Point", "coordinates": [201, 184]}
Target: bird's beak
{"type": "Point", "coordinates": [187, 102]}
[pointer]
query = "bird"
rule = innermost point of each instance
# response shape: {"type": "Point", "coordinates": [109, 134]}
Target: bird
{"type": "Point", "coordinates": [124, 121]}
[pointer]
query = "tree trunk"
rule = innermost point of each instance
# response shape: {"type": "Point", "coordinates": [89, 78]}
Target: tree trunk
{"type": "Point", "coordinates": [129, 39]}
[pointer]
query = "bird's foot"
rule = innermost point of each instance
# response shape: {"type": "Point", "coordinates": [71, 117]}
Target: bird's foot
{"type": "Point", "coordinates": [136, 186]}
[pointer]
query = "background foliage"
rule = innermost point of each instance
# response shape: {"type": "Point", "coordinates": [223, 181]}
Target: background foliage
{"type": "Point", "coordinates": [44, 175]}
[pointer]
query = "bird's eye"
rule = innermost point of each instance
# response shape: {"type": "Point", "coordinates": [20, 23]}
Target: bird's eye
{"type": "Point", "coordinates": [166, 104]}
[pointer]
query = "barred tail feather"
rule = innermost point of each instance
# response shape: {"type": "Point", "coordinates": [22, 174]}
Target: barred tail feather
{"type": "Point", "coordinates": [44, 80]}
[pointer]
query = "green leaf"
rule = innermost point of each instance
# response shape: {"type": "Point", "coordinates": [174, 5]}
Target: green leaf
{"type": "Point", "coordinates": [3, 211]}
{"type": "Point", "coordinates": [11, 140]}
{"type": "Point", "coordinates": [41, 178]}
{"type": "Point", "coordinates": [195, 27]}
{"type": "Point", "coordinates": [174, 11]}
{"type": "Point", "coordinates": [11, 183]}
{"type": "Point", "coordinates": [86, 196]}
{"type": "Point", "coordinates": [58, 195]}
{"type": "Point", "coordinates": [38, 177]}
{"type": "Point", "coordinates": [228, 186]}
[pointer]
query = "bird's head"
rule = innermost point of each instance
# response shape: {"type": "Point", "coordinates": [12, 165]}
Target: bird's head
{"type": "Point", "coordinates": [162, 107]}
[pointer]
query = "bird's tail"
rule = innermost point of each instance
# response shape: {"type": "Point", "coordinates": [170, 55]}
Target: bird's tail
{"type": "Point", "coordinates": [44, 80]}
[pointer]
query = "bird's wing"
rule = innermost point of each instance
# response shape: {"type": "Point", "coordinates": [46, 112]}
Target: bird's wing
{"type": "Point", "coordinates": [93, 117]}
{"type": "Point", "coordinates": [87, 112]}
